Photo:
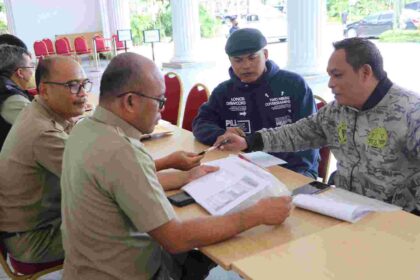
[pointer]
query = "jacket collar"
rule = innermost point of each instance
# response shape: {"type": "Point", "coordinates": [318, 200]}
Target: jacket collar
{"type": "Point", "coordinates": [107, 117]}
{"type": "Point", "coordinates": [378, 94]}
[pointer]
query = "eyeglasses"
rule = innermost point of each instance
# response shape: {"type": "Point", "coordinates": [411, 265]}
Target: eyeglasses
{"type": "Point", "coordinates": [74, 86]}
{"type": "Point", "coordinates": [161, 100]}
{"type": "Point", "coordinates": [25, 67]}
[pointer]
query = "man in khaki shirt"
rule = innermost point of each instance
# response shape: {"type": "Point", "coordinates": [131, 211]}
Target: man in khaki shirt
{"type": "Point", "coordinates": [31, 160]}
{"type": "Point", "coordinates": [117, 222]}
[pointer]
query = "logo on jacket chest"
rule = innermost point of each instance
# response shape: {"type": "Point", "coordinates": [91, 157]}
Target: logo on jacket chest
{"type": "Point", "coordinates": [245, 125]}
{"type": "Point", "coordinates": [236, 104]}
{"type": "Point", "coordinates": [278, 103]}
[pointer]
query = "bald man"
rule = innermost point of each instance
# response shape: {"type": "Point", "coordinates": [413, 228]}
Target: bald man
{"type": "Point", "coordinates": [30, 162]}
{"type": "Point", "coordinates": [117, 222]}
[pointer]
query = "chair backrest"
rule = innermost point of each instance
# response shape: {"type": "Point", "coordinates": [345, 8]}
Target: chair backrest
{"type": "Point", "coordinates": [198, 95]}
{"type": "Point", "coordinates": [49, 44]}
{"type": "Point", "coordinates": [324, 152]}
{"type": "Point", "coordinates": [174, 98]}
{"type": "Point", "coordinates": [32, 91]}
{"type": "Point", "coordinates": [100, 43]}
{"type": "Point", "coordinates": [118, 44]}
{"type": "Point", "coordinates": [40, 49]}
{"type": "Point", "coordinates": [62, 47]}
{"type": "Point", "coordinates": [68, 43]}
{"type": "Point", "coordinates": [81, 45]}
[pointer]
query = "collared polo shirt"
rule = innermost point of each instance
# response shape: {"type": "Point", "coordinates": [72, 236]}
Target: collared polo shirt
{"type": "Point", "coordinates": [30, 169]}
{"type": "Point", "coordinates": [111, 199]}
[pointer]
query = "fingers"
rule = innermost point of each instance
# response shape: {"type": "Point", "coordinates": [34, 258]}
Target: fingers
{"type": "Point", "coordinates": [209, 168]}
{"type": "Point", "coordinates": [236, 130]}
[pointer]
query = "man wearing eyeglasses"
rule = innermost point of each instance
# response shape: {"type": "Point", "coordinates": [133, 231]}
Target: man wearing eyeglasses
{"type": "Point", "coordinates": [117, 222]}
{"type": "Point", "coordinates": [16, 75]}
{"type": "Point", "coordinates": [30, 162]}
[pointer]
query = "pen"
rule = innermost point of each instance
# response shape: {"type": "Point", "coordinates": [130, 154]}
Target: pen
{"type": "Point", "coordinates": [214, 147]}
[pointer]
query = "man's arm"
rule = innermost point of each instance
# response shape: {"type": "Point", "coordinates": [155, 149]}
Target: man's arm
{"type": "Point", "coordinates": [12, 106]}
{"type": "Point", "coordinates": [305, 134]}
{"type": "Point", "coordinates": [208, 125]}
{"type": "Point", "coordinates": [178, 160]}
{"type": "Point", "coordinates": [172, 180]}
{"type": "Point", "coordinates": [48, 150]}
{"type": "Point", "coordinates": [179, 236]}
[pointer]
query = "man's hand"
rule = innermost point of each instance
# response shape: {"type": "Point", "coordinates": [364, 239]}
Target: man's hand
{"type": "Point", "coordinates": [236, 130]}
{"type": "Point", "coordinates": [200, 171]}
{"type": "Point", "coordinates": [273, 210]}
{"type": "Point", "coordinates": [183, 160]}
{"type": "Point", "coordinates": [234, 142]}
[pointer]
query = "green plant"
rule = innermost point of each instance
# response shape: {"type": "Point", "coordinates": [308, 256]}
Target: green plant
{"type": "Point", "coordinates": [400, 36]}
{"type": "Point", "coordinates": [208, 24]}
{"type": "Point", "coordinates": [3, 27]}
{"type": "Point", "coordinates": [138, 24]}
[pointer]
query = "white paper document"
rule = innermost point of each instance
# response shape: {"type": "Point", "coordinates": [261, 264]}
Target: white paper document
{"type": "Point", "coordinates": [234, 183]}
{"type": "Point", "coordinates": [342, 204]}
{"type": "Point", "coordinates": [263, 159]}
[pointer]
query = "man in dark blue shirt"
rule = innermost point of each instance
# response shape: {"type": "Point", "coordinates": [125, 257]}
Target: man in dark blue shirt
{"type": "Point", "coordinates": [258, 95]}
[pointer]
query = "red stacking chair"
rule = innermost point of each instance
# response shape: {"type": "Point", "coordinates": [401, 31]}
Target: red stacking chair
{"type": "Point", "coordinates": [50, 46]}
{"type": "Point", "coordinates": [174, 98]}
{"type": "Point", "coordinates": [81, 47]}
{"type": "Point", "coordinates": [118, 44]}
{"type": "Point", "coordinates": [198, 95]}
{"type": "Point", "coordinates": [40, 49]}
{"type": "Point", "coordinates": [32, 91]}
{"type": "Point", "coordinates": [101, 46]}
{"type": "Point", "coordinates": [62, 47]}
{"type": "Point", "coordinates": [324, 152]}
{"type": "Point", "coordinates": [21, 271]}
{"type": "Point", "coordinates": [68, 44]}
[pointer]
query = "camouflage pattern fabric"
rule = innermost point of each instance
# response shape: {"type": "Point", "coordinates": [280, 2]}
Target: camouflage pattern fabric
{"type": "Point", "coordinates": [377, 150]}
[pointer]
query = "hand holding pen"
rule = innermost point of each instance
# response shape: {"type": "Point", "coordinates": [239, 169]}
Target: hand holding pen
{"type": "Point", "coordinates": [213, 147]}
{"type": "Point", "coordinates": [231, 141]}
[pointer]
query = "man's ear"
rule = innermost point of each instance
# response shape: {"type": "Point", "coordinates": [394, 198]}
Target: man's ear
{"type": "Point", "coordinates": [127, 103]}
{"type": "Point", "coordinates": [265, 53]}
{"type": "Point", "coordinates": [366, 71]}
{"type": "Point", "coordinates": [19, 73]}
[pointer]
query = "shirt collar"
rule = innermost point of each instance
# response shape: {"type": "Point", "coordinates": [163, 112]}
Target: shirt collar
{"type": "Point", "coordinates": [104, 116]}
{"type": "Point", "coordinates": [378, 94]}
{"type": "Point", "coordinates": [66, 124]}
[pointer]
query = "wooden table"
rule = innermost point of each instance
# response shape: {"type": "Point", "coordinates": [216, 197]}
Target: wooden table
{"type": "Point", "coordinates": [380, 246]}
{"type": "Point", "coordinates": [254, 240]}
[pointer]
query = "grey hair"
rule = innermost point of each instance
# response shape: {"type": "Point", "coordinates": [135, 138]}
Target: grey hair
{"type": "Point", "coordinates": [11, 58]}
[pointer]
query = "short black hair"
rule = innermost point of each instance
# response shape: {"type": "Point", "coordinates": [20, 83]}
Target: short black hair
{"type": "Point", "coordinates": [9, 39]}
{"type": "Point", "coordinates": [361, 51]}
{"type": "Point", "coordinates": [42, 71]}
{"type": "Point", "coordinates": [11, 58]}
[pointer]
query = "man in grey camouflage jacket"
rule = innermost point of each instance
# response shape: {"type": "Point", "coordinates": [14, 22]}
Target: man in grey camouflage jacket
{"type": "Point", "coordinates": [372, 128]}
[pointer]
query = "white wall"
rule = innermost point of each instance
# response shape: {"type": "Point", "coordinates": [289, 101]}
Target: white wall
{"type": "Point", "coordinates": [38, 19]}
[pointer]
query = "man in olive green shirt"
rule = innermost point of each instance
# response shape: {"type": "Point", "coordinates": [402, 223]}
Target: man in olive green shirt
{"type": "Point", "coordinates": [31, 160]}
{"type": "Point", "coordinates": [117, 222]}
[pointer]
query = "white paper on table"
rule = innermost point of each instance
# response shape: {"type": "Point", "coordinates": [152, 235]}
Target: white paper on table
{"type": "Point", "coordinates": [236, 181]}
{"type": "Point", "coordinates": [263, 159]}
{"type": "Point", "coordinates": [342, 204]}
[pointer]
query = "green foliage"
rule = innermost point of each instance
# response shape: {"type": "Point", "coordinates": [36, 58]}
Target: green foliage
{"type": "Point", "coordinates": [400, 36]}
{"type": "Point", "coordinates": [138, 24]}
{"type": "Point", "coordinates": [163, 22]}
{"type": "Point", "coordinates": [3, 27]}
{"type": "Point", "coordinates": [361, 9]}
{"type": "Point", "coordinates": [208, 24]}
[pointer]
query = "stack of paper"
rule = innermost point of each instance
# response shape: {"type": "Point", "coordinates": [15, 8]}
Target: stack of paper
{"type": "Point", "coordinates": [342, 204]}
{"type": "Point", "coordinates": [236, 185]}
